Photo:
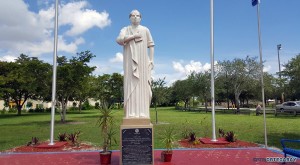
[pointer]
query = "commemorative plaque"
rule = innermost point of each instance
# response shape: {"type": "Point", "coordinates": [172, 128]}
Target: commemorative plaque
{"type": "Point", "coordinates": [137, 146]}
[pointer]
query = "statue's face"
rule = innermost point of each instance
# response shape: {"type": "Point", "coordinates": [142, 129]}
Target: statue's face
{"type": "Point", "coordinates": [135, 18]}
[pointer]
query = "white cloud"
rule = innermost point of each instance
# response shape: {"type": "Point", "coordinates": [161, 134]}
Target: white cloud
{"type": "Point", "coordinates": [45, 46]}
{"type": "Point", "coordinates": [193, 66]}
{"type": "Point", "coordinates": [18, 23]}
{"type": "Point", "coordinates": [178, 67]}
{"type": "Point", "coordinates": [117, 59]}
{"type": "Point", "coordinates": [82, 19]}
{"type": "Point", "coordinates": [24, 31]}
{"type": "Point", "coordinates": [267, 68]}
{"type": "Point", "coordinates": [101, 69]}
{"type": "Point", "coordinates": [183, 69]}
{"type": "Point", "coordinates": [8, 58]}
{"type": "Point", "coordinates": [207, 66]}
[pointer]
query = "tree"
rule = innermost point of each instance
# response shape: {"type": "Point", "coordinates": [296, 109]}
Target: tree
{"type": "Point", "coordinates": [239, 72]}
{"type": "Point", "coordinates": [291, 75]}
{"type": "Point", "coordinates": [200, 85]}
{"type": "Point", "coordinates": [102, 91]}
{"type": "Point", "coordinates": [109, 89]}
{"type": "Point", "coordinates": [25, 78]}
{"type": "Point", "coordinates": [116, 88]}
{"type": "Point", "coordinates": [158, 93]}
{"type": "Point", "coordinates": [270, 87]}
{"type": "Point", "coordinates": [182, 90]}
{"type": "Point", "coordinates": [223, 90]}
{"type": "Point", "coordinates": [3, 73]}
{"type": "Point", "coordinates": [71, 77]}
{"type": "Point", "coordinates": [83, 92]}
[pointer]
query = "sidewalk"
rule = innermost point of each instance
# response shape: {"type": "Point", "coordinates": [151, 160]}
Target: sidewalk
{"type": "Point", "coordinates": [208, 156]}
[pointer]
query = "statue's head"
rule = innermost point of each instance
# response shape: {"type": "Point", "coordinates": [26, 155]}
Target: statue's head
{"type": "Point", "coordinates": [135, 17]}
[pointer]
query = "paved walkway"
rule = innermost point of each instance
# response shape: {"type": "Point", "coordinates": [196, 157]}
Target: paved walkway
{"type": "Point", "coordinates": [209, 156]}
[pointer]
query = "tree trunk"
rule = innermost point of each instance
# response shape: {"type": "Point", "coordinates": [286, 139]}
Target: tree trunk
{"type": "Point", "coordinates": [63, 110]}
{"type": "Point", "coordinates": [120, 104]}
{"type": "Point", "coordinates": [237, 102]}
{"type": "Point", "coordinates": [20, 105]}
{"type": "Point", "coordinates": [186, 103]}
{"type": "Point", "coordinates": [193, 104]}
{"type": "Point", "coordinates": [205, 103]}
{"type": "Point", "coordinates": [80, 106]}
{"type": "Point", "coordinates": [19, 108]}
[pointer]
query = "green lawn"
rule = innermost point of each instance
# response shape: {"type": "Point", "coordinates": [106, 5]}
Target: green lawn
{"type": "Point", "coordinates": [18, 130]}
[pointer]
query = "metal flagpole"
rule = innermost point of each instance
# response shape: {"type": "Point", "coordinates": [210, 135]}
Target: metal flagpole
{"type": "Point", "coordinates": [262, 75]}
{"type": "Point", "coordinates": [212, 70]}
{"type": "Point", "coordinates": [54, 75]}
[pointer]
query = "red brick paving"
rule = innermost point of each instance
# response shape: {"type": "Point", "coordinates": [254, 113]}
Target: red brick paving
{"type": "Point", "coordinates": [234, 156]}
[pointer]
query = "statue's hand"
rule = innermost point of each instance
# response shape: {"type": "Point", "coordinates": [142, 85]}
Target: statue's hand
{"type": "Point", "coordinates": [137, 35]}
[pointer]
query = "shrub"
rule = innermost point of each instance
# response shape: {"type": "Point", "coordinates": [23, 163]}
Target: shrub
{"type": "Point", "coordinates": [5, 104]}
{"type": "Point", "coordinates": [111, 136]}
{"type": "Point", "coordinates": [205, 126]}
{"type": "Point", "coordinates": [97, 105]}
{"type": "Point", "coordinates": [39, 109]}
{"type": "Point", "coordinates": [230, 136]}
{"type": "Point", "coordinates": [168, 137]}
{"type": "Point", "coordinates": [186, 129]}
{"type": "Point", "coordinates": [221, 132]}
{"type": "Point", "coordinates": [192, 137]}
{"type": "Point", "coordinates": [49, 110]}
{"type": "Point", "coordinates": [62, 137]}
{"type": "Point", "coordinates": [12, 110]}
{"type": "Point", "coordinates": [34, 141]}
{"type": "Point", "coordinates": [86, 105]}
{"type": "Point", "coordinates": [73, 109]}
{"type": "Point", "coordinates": [106, 123]}
{"type": "Point", "coordinates": [73, 137]}
{"type": "Point", "coordinates": [29, 104]}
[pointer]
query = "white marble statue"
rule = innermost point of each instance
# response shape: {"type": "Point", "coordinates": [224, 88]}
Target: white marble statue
{"type": "Point", "coordinates": [138, 62]}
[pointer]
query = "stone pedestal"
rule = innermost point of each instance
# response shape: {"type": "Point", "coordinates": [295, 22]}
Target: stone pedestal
{"type": "Point", "coordinates": [136, 144]}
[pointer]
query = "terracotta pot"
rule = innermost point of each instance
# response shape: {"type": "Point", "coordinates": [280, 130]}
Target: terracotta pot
{"type": "Point", "coordinates": [166, 156]}
{"type": "Point", "coordinates": [105, 157]}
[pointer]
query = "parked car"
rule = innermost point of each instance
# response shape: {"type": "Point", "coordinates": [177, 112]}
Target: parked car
{"type": "Point", "coordinates": [290, 106]}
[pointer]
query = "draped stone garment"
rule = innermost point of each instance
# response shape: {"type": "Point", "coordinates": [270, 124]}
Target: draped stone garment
{"type": "Point", "coordinates": [137, 72]}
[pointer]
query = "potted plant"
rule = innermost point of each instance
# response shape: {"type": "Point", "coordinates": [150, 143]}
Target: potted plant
{"type": "Point", "coordinates": [168, 138]}
{"type": "Point", "coordinates": [106, 123]}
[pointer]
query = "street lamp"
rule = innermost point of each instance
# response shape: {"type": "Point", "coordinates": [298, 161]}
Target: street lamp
{"type": "Point", "coordinates": [282, 94]}
{"type": "Point", "coordinates": [279, 48]}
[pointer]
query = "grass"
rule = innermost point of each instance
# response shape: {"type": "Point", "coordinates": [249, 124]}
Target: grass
{"type": "Point", "coordinates": [18, 130]}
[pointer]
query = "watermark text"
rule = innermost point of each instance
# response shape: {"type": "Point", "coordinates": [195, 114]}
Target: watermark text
{"type": "Point", "coordinates": [275, 159]}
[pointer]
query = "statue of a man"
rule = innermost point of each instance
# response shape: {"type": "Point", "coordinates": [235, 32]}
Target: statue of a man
{"type": "Point", "coordinates": [138, 55]}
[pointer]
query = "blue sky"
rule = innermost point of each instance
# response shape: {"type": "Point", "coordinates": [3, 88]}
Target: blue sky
{"type": "Point", "coordinates": [180, 29]}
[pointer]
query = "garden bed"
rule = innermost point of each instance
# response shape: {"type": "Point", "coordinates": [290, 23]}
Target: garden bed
{"type": "Point", "coordinates": [67, 147]}
{"type": "Point", "coordinates": [185, 143]}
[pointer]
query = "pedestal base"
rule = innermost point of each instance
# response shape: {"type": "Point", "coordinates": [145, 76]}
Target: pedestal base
{"type": "Point", "coordinates": [136, 121]}
{"type": "Point", "coordinates": [136, 142]}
